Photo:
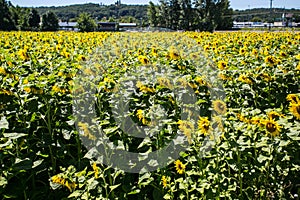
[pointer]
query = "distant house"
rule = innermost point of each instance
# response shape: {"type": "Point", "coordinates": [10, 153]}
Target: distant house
{"type": "Point", "coordinates": [68, 26]}
{"type": "Point", "coordinates": [107, 26]}
{"type": "Point", "coordinates": [127, 26]}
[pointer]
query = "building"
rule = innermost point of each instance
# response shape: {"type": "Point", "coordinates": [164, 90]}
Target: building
{"type": "Point", "coordinates": [107, 26]}
{"type": "Point", "coordinates": [68, 26]}
{"type": "Point", "coordinates": [127, 26]}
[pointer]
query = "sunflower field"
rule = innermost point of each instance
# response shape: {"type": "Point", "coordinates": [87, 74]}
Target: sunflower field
{"type": "Point", "coordinates": [239, 127]}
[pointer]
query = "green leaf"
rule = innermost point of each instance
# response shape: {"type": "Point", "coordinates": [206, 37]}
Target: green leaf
{"type": "Point", "coordinates": [24, 164]}
{"type": "Point", "coordinates": [114, 187]}
{"type": "Point", "coordinates": [110, 130]}
{"type": "Point", "coordinates": [14, 135]}
{"type": "Point", "coordinates": [37, 163]}
{"type": "Point", "coordinates": [3, 181]}
{"type": "Point", "coordinates": [135, 191]}
{"type": "Point", "coordinates": [167, 196]}
{"type": "Point", "coordinates": [3, 123]}
{"type": "Point", "coordinates": [284, 143]}
{"type": "Point", "coordinates": [76, 193]}
{"type": "Point", "coordinates": [262, 158]}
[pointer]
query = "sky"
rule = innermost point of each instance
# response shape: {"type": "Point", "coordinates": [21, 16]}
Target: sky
{"type": "Point", "coordinates": [235, 4]}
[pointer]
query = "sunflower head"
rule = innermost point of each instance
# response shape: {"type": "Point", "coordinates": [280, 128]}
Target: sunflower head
{"type": "Point", "coordinates": [293, 98]}
{"type": "Point", "coordinates": [245, 79]}
{"type": "Point", "coordinates": [180, 167]}
{"type": "Point", "coordinates": [272, 127]}
{"type": "Point", "coordinates": [204, 125]}
{"type": "Point", "coordinates": [274, 115]}
{"type": "Point", "coordinates": [174, 54]}
{"type": "Point", "coordinates": [164, 181]}
{"type": "Point", "coordinates": [219, 106]}
{"type": "Point", "coordinates": [271, 60]}
{"type": "Point", "coordinates": [187, 127]}
{"type": "Point", "coordinates": [222, 65]}
{"type": "Point", "coordinates": [143, 59]}
{"type": "Point", "coordinates": [295, 109]}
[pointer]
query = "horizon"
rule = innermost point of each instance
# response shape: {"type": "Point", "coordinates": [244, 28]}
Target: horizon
{"type": "Point", "coordinates": [234, 4]}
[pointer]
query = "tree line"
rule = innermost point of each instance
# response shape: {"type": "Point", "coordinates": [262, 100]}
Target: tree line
{"type": "Point", "coordinates": [26, 19]}
{"type": "Point", "coordinates": [203, 15]}
{"type": "Point", "coordinates": [114, 12]}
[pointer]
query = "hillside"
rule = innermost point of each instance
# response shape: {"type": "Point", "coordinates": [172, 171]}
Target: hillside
{"type": "Point", "coordinates": [98, 11]}
{"type": "Point", "coordinates": [138, 13]}
{"type": "Point", "coordinates": [263, 14]}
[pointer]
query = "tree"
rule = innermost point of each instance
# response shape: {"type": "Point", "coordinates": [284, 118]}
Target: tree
{"type": "Point", "coordinates": [222, 17]}
{"type": "Point", "coordinates": [6, 20]}
{"type": "Point", "coordinates": [163, 14]}
{"type": "Point", "coordinates": [187, 14]}
{"type": "Point", "coordinates": [214, 14]}
{"type": "Point", "coordinates": [152, 14]}
{"type": "Point", "coordinates": [175, 14]}
{"type": "Point", "coordinates": [34, 19]}
{"type": "Point", "coordinates": [49, 22]}
{"type": "Point", "coordinates": [85, 23]}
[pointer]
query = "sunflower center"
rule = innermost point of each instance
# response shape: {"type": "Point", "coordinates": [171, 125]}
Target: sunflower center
{"type": "Point", "coordinates": [298, 109]}
{"type": "Point", "coordinates": [271, 127]}
{"type": "Point", "coordinates": [294, 98]}
{"type": "Point", "coordinates": [221, 107]}
{"type": "Point", "coordinates": [206, 127]}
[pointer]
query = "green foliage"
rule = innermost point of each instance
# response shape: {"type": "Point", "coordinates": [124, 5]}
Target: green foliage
{"type": "Point", "coordinates": [85, 23]}
{"type": "Point", "coordinates": [49, 22]}
{"type": "Point", "coordinates": [204, 15]}
{"type": "Point", "coordinates": [34, 19]}
{"type": "Point", "coordinates": [42, 155]}
{"type": "Point", "coordinates": [256, 19]}
{"type": "Point", "coordinates": [6, 18]}
{"type": "Point", "coordinates": [152, 14]}
{"type": "Point", "coordinates": [263, 13]}
{"type": "Point", "coordinates": [97, 11]}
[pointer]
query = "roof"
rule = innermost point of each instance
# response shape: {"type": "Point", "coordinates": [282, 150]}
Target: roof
{"type": "Point", "coordinates": [67, 24]}
{"type": "Point", "coordinates": [107, 23]}
{"type": "Point", "coordinates": [127, 24]}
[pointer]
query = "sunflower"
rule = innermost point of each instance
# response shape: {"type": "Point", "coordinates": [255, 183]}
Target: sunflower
{"type": "Point", "coordinates": [187, 128]}
{"type": "Point", "coordinates": [298, 66]}
{"type": "Point", "coordinates": [273, 114]}
{"type": "Point", "coordinates": [65, 182]}
{"type": "Point", "coordinates": [295, 109]}
{"type": "Point", "coordinates": [244, 78]}
{"type": "Point", "coordinates": [256, 120]}
{"type": "Point", "coordinates": [173, 54]}
{"type": "Point", "coordinates": [143, 59]}
{"type": "Point", "coordinates": [164, 82]}
{"type": "Point", "coordinates": [283, 54]}
{"type": "Point", "coordinates": [222, 65]}
{"type": "Point", "coordinates": [200, 80]}
{"type": "Point", "coordinates": [272, 127]}
{"type": "Point", "coordinates": [254, 52]}
{"type": "Point", "coordinates": [243, 51]}
{"type": "Point", "coordinates": [266, 77]}
{"type": "Point", "coordinates": [204, 125]}
{"type": "Point", "coordinates": [143, 88]}
{"type": "Point", "coordinates": [141, 117]}
{"type": "Point", "coordinates": [2, 71]}
{"type": "Point", "coordinates": [180, 167]}
{"type": "Point", "coordinates": [164, 181]}
{"type": "Point", "coordinates": [271, 60]}
{"type": "Point", "coordinates": [219, 106]}
{"type": "Point", "coordinates": [96, 170]}
{"type": "Point", "coordinates": [154, 51]}
{"type": "Point", "coordinates": [293, 98]}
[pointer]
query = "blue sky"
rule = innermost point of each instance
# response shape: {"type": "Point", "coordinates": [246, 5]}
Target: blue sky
{"type": "Point", "coordinates": [235, 4]}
